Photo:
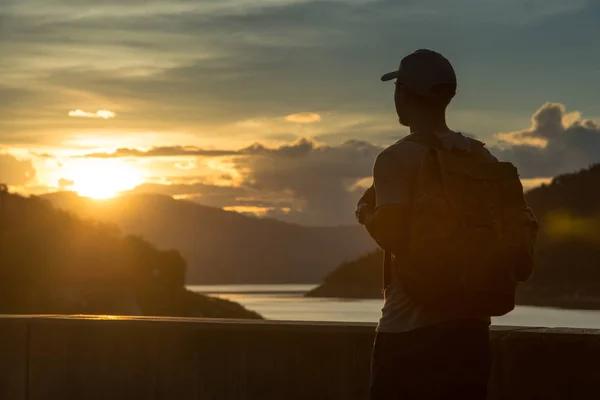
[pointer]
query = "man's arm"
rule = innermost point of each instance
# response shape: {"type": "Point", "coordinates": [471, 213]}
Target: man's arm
{"type": "Point", "coordinates": [385, 226]}
{"type": "Point", "coordinates": [386, 219]}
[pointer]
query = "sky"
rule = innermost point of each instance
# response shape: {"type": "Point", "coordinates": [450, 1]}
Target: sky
{"type": "Point", "coordinates": [275, 108]}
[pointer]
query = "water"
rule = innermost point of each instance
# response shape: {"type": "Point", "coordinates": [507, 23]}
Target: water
{"type": "Point", "coordinates": [286, 302]}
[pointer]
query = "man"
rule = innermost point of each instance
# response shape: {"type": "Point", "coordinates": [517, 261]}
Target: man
{"type": "Point", "coordinates": [420, 352]}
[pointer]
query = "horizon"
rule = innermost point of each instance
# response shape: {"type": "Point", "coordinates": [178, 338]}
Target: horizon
{"type": "Point", "coordinates": [276, 109]}
{"type": "Point", "coordinates": [247, 213]}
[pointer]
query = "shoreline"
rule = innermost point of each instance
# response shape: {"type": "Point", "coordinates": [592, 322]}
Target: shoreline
{"type": "Point", "coordinates": [562, 304]}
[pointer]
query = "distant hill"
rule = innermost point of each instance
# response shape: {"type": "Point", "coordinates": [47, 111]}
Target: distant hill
{"type": "Point", "coordinates": [223, 247]}
{"type": "Point", "coordinates": [567, 272]}
{"type": "Point", "coordinates": [52, 262]}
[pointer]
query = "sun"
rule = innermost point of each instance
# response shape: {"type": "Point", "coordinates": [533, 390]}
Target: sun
{"type": "Point", "coordinates": [103, 179]}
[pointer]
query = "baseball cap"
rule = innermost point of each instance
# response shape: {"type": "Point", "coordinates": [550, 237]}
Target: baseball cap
{"type": "Point", "coordinates": [421, 70]}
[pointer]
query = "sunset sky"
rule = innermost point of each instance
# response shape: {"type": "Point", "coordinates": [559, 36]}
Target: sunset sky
{"type": "Point", "coordinates": [275, 107]}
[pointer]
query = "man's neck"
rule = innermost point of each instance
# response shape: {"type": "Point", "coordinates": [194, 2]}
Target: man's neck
{"type": "Point", "coordinates": [429, 128]}
{"type": "Point", "coordinates": [427, 124]}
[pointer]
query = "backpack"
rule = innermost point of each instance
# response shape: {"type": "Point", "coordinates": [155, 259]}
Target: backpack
{"type": "Point", "coordinates": [471, 235]}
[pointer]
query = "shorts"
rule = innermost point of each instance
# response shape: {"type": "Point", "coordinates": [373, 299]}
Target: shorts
{"type": "Point", "coordinates": [446, 361]}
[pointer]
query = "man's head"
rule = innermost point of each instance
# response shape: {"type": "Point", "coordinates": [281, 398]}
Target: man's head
{"type": "Point", "coordinates": [425, 85]}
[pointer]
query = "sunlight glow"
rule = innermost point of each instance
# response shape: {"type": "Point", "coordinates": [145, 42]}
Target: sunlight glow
{"type": "Point", "coordinates": [103, 179]}
{"type": "Point", "coordinates": [564, 225]}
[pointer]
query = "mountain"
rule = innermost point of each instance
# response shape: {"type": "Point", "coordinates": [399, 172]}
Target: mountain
{"type": "Point", "coordinates": [223, 247]}
{"type": "Point", "coordinates": [52, 262]}
{"type": "Point", "coordinates": [567, 268]}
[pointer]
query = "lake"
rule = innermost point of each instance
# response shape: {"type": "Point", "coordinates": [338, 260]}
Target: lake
{"type": "Point", "coordinates": [286, 302]}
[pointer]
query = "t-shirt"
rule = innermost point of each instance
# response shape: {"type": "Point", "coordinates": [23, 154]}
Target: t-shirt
{"type": "Point", "coordinates": [395, 168]}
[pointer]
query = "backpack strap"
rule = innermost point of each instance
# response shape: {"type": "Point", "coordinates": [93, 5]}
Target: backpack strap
{"type": "Point", "coordinates": [432, 140]}
{"type": "Point", "coordinates": [387, 269]}
{"type": "Point", "coordinates": [429, 140]}
{"type": "Point", "coordinates": [426, 139]}
{"type": "Point", "coordinates": [478, 149]}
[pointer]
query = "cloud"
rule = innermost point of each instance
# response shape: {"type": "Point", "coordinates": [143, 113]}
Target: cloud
{"type": "Point", "coordinates": [48, 156]}
{"type": "Point", "coordinates": [557, 142]}
{"type": "Point", "coordinates": [64, 183]}
{"type": "Point", "coordinates": [303, 118]}
{"type": "Point", "coordinates": [178, 67]}
{"type": "Point", "coordinates": [104, 114]}
{"type": "Point", "coordinates": [161, 151]}
{"type": "Point", "coordinates": [299, 148]}
{"type": "Point", "coordinates": [314, 183]}
{"type": "Point", "coordinates": [194, 189]}
{"type": "Point", "coordinates": [186, 165]}
{"type": "Point", "coordinates": [177, 70]}
{"type": "Point", "coordinates": [15, 172]}
{"type": "Point", "coordinates": [218, 196]}
{"type": "Point", "coordinates": [534, 182]}
{"type": "Point", "coordinates": [319, 178]}
{"type": "Point", "coordinates": [251, 210]}
{"type": "Point", "coordinates": [304, 182]}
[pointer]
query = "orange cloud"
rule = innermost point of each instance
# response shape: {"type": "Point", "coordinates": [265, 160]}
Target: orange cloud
{"type": "Point", "coordinates": [303, 117]}
{"type": "Point", "coordinates": [521, 139]}
{"type": "Point", "coordinates": [65, 183]}
{"type": "Point", "coordinates": [104, 114]}
{"type": "Point", "coordinates": [14, 171]}
{"type": "Point", "coordinates": [532, 183]}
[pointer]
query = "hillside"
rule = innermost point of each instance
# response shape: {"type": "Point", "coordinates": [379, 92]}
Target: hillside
{"type": "Point", "coordinates": [567, 270]}
{"type": "Point", "coordinates": [53, 262]}
{"type": "Point", "coordinates": [223, 247]}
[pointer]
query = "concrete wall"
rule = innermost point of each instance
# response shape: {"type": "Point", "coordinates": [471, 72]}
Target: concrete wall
{"type": "Point", "coordinates": [113, 358]}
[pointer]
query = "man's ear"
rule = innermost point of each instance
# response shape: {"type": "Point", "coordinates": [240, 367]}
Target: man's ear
{"type": "Point", "coordinates": [399, 95]}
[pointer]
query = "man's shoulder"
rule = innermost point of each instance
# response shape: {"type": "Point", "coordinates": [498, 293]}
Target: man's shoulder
{"type": "Point", "coordinates": [404, 149]}
{"type": "Point", "coordinates": [403, 157]}
{"type": "Point", "coordinates": [481, 148]}
{"type": "Point", "coordinates": [409, 153]}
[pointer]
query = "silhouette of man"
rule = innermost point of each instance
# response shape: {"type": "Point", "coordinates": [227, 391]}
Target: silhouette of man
{"type": "Point", "coordinates": [419, 352]}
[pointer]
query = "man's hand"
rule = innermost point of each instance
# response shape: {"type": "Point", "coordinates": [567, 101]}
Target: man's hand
{"type": "Point", "coordinates": [364, 213]}
{"type": "Point", "coordinates": [384, 224]}
{"type": "Point", "coordinates": [365, 210]}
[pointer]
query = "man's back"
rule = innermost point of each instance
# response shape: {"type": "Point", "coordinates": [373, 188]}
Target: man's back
{"type": "Point", "coordinates": [394, 175]}
{"type": "Point", "coordinates": [419, 352]}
